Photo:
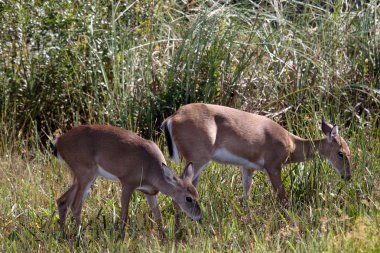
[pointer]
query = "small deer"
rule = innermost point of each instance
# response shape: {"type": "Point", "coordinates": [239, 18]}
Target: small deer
{"type": "Point", "coordinates": [117, 154]}
{"type": "Point", "coordinates": [204, 132]}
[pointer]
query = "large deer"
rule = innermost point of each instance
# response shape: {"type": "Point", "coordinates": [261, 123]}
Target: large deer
{"type": "Point", "coordinates": [204, 132]}
{"type": "Point", "coordinates": [117, 154]}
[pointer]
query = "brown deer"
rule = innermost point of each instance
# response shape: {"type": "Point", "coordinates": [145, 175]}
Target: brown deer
{"type": "Point", "coordinates": [117, 154]}
{"type": "Point", "coordinates": [204, 132]}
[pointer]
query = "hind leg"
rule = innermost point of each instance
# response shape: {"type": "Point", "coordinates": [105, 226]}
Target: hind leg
{"type": "Point", "coordinates": [65, 202]}
{"type": "Point", "coordinates": [84, 184]}
{"type": "Point", "coordinates": [198, 168]}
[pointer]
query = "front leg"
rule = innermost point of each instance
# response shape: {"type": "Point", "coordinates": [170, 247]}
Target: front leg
{"type": "Point", "coordinates": [275, 178]}
{"type": "Point", "coordinates": [247, 174]}
{"type": "Point", "coordinates": [125, 198]}
{"type": "Point", "coordinates": [153, 204]}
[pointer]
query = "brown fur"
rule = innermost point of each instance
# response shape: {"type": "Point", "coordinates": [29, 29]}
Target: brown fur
{"type": "Point", "coordinates": [137, 163]}
{"type": "Point", "coordinates": [198, 130]}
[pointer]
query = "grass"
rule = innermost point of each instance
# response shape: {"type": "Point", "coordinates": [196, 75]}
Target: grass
{"type": "Point", "coordinates": [131, 64]}
{"type": "Point", "coordinates": [334, 217]}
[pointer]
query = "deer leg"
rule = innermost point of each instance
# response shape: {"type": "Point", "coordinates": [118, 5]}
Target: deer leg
{"type": "Point", "coordinates": [247, 182]}
{"type": "Point", "coordinates": [125, 199]}
{"type": "Point", "coordinates": [198, 168]}
{"type": "Point", "coordinates": [84, 184]}
{"type": "Point", "coordinates": [275, 178]}
{"type": "Point", "coordinates": [152, 201]}
{"type": "Point", "coordinates": [65, 202]}
{"type": "Point", "coordinates": [76, 207]}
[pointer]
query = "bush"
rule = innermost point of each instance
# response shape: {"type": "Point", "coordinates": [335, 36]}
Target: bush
{"type": "Point", "coordinates": [66, 63]}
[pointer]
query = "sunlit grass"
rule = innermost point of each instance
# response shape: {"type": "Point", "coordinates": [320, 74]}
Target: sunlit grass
{"type": "Point", "coordinates": [337, 217]}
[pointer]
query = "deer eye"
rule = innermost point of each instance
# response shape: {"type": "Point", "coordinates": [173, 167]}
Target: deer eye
{"type": "Point", "coordinates": [188, 199]}
{"type": "Point", "coordinates": [340, 154]}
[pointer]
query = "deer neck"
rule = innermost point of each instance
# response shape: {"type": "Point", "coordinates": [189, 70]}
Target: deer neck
{"type": "Point", "coordinates": [306, 149]}
{"type": "Point", "coordinates": [165, 187]}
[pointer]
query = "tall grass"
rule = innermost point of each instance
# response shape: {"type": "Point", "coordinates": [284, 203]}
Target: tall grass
{"type": "Point", "coordinates": [133, 63]}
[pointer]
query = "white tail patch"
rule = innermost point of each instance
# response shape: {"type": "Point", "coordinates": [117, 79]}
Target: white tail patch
{"type": "Point", "coordinates": [102, 172]}
{"type": "Point", "coordinates": [222, 155]}
{"type": "Point", "coordinates": [59, 157]}
{"type": "Point", "coordinates": [174, 146]}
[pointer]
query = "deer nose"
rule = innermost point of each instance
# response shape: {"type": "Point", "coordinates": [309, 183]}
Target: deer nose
{"type": "Point", "coordinates": [198, 218]}
{"type": "Point", "coordinates": [197, 213]}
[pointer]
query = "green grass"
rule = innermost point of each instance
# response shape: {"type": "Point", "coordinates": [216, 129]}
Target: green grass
{"type": "Point", "coordinates": [335, 217]}
{"type": "Point", "coordinates": [131, 64]}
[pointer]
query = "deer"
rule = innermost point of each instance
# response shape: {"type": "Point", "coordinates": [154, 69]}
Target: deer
{"type": "Point", "coordinates": [204, 132]}
{"type": "Point", "coordinates": [120, 155]}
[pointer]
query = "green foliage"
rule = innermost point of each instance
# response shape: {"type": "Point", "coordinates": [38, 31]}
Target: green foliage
{"type": "Point", "coordinates": [131, 64]}
{"type": "Point", "coordinates": [324, 213]}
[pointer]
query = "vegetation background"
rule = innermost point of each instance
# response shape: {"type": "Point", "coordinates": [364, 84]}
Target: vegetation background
{"type": "Point", "coordinates": [132, 63]}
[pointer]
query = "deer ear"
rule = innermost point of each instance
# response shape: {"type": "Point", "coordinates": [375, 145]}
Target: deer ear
{"type": "Point", "coordinates": [334, 131]}
{"type": "Point", "coordinates": [188, 173]}
{"type": "Point", "coordinates": [326, 128]}
{"type": "Point", "coordinates": [168, 175]}
{"type": "Point", "coordinates": [330, 131]}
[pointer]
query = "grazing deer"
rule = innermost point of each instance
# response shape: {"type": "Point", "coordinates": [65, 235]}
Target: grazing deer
{"type": "Point", "coordinates": [117, 154]}
{"type": "Point", "coordinates": [204, 132]}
